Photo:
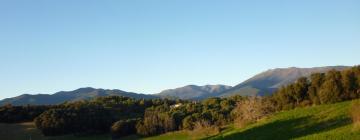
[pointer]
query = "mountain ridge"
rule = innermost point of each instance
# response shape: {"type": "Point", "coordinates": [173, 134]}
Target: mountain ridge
{"type": "Point", "coordinates": [270, 80]}
{"type": "Point", "coordinates": [194, 91]}
{"type": "Point", "coordinates": [74, 95]}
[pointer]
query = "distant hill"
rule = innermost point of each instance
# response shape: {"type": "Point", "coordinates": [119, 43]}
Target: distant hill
{"type": "Point", "coordinates": [79, 94]}
{"type": "Point", "coordinates": [265, 83]}
{"type": "Point", "coordinates": [194, 92]}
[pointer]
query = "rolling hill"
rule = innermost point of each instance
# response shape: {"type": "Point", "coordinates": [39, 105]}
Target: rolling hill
{"type": "Point", "coordinates": [194, 92]}
{"type": "Point", "coordinates": [267, 82]}
{"type": "Point", "coordinates": [62, 96]}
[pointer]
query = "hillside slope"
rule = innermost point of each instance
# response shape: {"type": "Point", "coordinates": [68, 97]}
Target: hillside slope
{"type": "Point", "coordinates": [312, 123]}
{"type": "Point", "coordinates": [317, 123]}
{"type": "Point", "coordinates": [265, 83]}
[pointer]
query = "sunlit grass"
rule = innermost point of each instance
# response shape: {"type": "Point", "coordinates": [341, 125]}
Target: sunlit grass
{"type": "Point", "coordinates": [319, 122]}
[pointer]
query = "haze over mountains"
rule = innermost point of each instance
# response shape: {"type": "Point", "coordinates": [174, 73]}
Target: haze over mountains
{"type": "Point", "coordinates": [262, 84]}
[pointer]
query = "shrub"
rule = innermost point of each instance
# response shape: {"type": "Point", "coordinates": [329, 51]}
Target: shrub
{"type": "Point", "coordinates": [355, 114]}
{"type": "Point", "coordinates": [251, 110]}
{"type": "Point", "coordinates": [203, 129]}
{"type": "Point", "coordinates": [305, 103]}
{"type": "Point", "coordinates": [240, 122]}
{"type": "Point", "coordinates": [188, 123]}
{"type": "Point", "coordinates": [123, 128]}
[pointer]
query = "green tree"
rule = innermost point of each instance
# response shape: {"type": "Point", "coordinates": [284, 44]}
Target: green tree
{"type": "Point", "coordinates": [331, 90]}
{"type": "Point", "coordinates": [157, 120]}
{"type": "Point", "coordinates": [300, 90]}
{"type": "Point", "coordinates": [317, 80]}
{"type": "Point", "coordinates": [349, 82]}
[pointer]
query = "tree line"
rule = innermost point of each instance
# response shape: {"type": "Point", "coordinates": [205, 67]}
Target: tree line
{"type": "Point", "coordinates": [162, 119]}
{"type": "Point", "coordinates": [94, 116]}
{"type": "Point", "coordinates": [320, 88]}
{"type": "Point", "coordinates": [18, 114]}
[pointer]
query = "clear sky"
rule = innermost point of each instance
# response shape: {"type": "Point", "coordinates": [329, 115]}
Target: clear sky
{"type": "Point", "coordinates": [150, 45]}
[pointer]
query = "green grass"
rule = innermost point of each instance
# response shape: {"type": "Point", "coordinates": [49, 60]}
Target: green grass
{"type": "Point", "coordinates": [325, 122]}
{"type": "Point", "coordinates": [317, 123]}
{"type": "Point", "coordinates": [180, 135]}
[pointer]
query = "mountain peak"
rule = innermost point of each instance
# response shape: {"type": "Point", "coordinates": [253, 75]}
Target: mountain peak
{"type": "Point", "coordinates": [194, 91]}
{"type": "Point", "coordinates": [268, 81]}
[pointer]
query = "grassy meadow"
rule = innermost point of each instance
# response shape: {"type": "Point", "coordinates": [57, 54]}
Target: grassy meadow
{"type": "Point", "coordinates": [319, 122]}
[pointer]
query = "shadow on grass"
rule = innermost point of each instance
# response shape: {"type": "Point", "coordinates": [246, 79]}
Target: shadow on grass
{"type": "Point", "coordinates": [287, 129]}
{"type": "Point", "coordinates": [18, 131]}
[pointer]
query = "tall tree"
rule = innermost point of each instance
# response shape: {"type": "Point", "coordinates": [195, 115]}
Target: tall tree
{"type": "Point", "coordinates": [349, 82]}
{"type": "Point", "coordinates": [317, 80]}
{"type": "Point", "coordinates": [300, 90]}
{"type": "Point", "coordinates": [357, 73]}
{"type": "Point", "coordinates": [331, 90]}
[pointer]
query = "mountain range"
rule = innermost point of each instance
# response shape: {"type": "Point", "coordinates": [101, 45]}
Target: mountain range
{"type": "Point", "coordinates": [63, 96]}
{"type": "Point", "coordinates": [261, 84]}
{"type": "Point", "coordinates": [267, 82]}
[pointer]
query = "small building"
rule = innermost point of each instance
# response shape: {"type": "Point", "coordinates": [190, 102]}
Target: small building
{"type": "Point", "coordinates": [176, 105]}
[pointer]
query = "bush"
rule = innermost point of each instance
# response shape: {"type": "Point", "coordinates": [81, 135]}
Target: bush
{"type": "Point", "coordinates": [355, 114]}
{"type": "Point", "coordinates": [240, 122]}
{"type": "Point", "coordinates": [305, 103]}
{"type": "Point", "coordinates": [204, 129]}
{"type": "Point", "coordinates": [251, 110]}
{"type": "Point", "coordinates": [188, 123]}
{"type": "Point", "coordinates": [123, 128]}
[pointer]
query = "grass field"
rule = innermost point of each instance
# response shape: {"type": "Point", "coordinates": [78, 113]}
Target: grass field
{"type": "Point", "coordinates": [323, 122]}
{"type": "Point", "coordinates": [317, 123]}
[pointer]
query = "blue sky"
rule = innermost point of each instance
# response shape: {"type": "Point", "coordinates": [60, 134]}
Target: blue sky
{"type": "Point", "coordinates": [150, 45]}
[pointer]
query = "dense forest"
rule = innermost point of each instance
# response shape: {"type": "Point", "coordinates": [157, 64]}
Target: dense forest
{"type": "Point", "coordinates": [122, 116]}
